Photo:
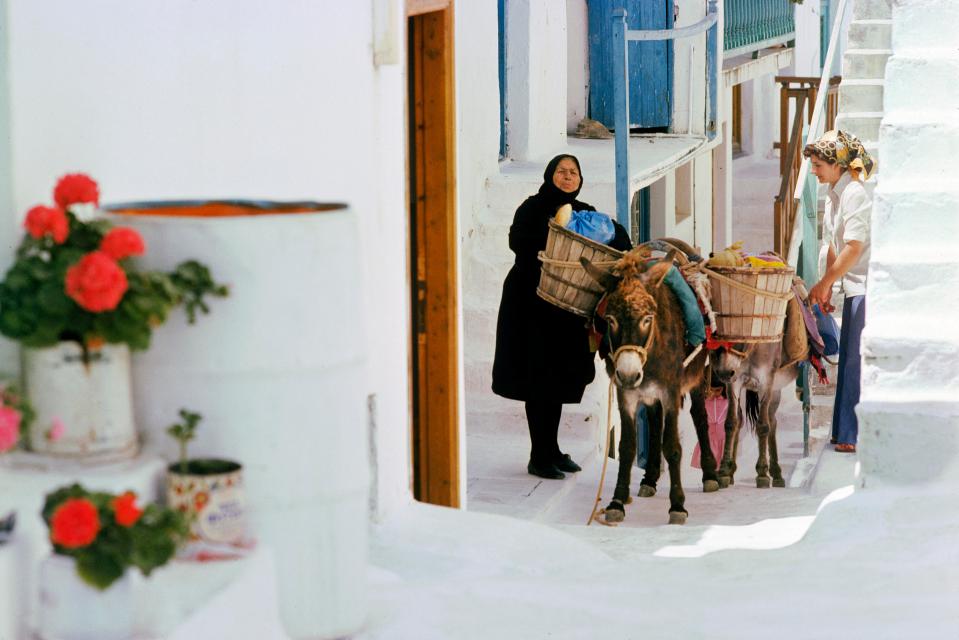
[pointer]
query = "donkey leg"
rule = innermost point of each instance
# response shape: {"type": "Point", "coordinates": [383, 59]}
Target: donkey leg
{"type": "Point", "coordinates": [774, 468]}
{"type": "Point", "coordinates": [707, 460]}
{"type": "Point", "coordinates": [674, 453]}
{"type": "Point", "coordinates": [616, 509]}
{"type": "Point", "coordinates": [728, 466]}
{"type": "Point", "coordinates": [762, 434]}
{"type": "Point", "coordinates": [647, 486]}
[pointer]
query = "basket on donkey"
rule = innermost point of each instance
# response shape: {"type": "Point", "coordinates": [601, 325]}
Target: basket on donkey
{"type": "Point", "coordinates": [563, 280]}
{"type": "Point", "coordinates": [750, 302]}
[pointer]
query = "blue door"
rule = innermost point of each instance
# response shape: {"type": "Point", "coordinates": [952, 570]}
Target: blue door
{"type": "Point", "coordinates": [650, 64]}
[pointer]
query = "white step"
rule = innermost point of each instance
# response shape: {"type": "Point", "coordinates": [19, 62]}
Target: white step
{"type": "Point", "coordinates": [872, 10]}
{"type": "Point", "coordinates": [913, 220]}
{"type": "Point", "coordinates": [931, 74]}
{"type": "Point", "coordinates": [909, 142]}
{"type": "Point", "coordinates": [865, 64]}
{"type": "Point", "coordinates": [862, 124]}
{"type": "Point", "coordinates": [926, 24]}
{"type": "Point", "coordinates": [870, 34]}
{"type": "Point", "coordinates": [860, 95]}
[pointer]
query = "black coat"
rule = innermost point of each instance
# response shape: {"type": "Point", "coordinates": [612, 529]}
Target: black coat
{"type": "Point", "coordinates": [542, 351]}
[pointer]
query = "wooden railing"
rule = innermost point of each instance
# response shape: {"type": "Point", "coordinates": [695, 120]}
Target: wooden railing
{"type": "Point", "coordinates": [797, 95]}
{"type": "Point", "coordinates": [750, 25]}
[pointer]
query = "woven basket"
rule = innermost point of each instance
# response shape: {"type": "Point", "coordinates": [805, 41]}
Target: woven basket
{"type": "Point", "coordinates": [750, 303]}
{"type": "Point", "coordinates": [563, 281]}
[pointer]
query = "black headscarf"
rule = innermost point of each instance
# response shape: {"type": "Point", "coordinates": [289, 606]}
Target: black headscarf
{"type": "Point", "coordinates": [553, 194]}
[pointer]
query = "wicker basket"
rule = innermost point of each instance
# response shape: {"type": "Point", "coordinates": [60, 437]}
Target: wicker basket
{"type": "Point", "coordinates": [750, 303]}
{"type": "Point", "coordinates": [563, 280]}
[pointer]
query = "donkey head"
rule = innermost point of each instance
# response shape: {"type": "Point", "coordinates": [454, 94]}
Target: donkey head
{"type": "Point", "coordinates": [727, 361]}
{"type": "Point", "coordinates": [630, 312]}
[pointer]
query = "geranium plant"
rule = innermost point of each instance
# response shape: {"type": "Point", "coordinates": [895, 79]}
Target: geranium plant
{"type": "Point", "coordinates": [108, 533]}
{"type": "Point", "coordinates": [16, 414]}
{"type": "Point", "coordinates": [74, 279]}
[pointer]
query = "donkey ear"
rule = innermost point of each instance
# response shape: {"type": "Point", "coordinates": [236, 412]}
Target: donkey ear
{"type": "Point", "coordinates": [655, 274]}
{"type": "Point", "coordinates": [606, 279]}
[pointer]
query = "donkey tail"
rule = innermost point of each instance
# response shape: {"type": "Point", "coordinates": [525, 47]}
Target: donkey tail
{"type": "Point", "coordinates": [751, 412]}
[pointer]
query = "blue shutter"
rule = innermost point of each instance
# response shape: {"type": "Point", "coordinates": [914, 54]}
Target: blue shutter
{"type": "Point", "coordinates": [650, 63]}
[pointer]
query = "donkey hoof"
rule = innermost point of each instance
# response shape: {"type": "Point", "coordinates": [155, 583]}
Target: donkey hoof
{"type": "Point", "coordinates": [763, 482]}
{"type": "Point", "coordinates": [629, 499]}
{"type": "Point", "coordinates": [779, 482]}
{"type": "Point", "coordinates": [724, 482]}
{"type": "Point", "coordinates": [710, 485]}
{"type": "Point", "coordinates": [614, 512]}
{"type": "Point", "coordinates": [678, 517]}
{"type": "Point", "coordinates": [646, 491]}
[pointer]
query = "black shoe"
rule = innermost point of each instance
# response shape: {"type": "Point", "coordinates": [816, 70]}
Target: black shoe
{"type": "Point", "coordinates": [548, 471]}
{"type": "Point", "coordinates": [565, 463]}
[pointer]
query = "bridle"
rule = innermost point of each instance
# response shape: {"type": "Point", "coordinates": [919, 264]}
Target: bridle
{"type": "Point", "coordinates": [641, 351]}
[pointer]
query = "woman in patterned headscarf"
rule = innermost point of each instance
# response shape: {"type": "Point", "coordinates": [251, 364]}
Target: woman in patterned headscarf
{"type": "Point", "coordinates": [840, 161]}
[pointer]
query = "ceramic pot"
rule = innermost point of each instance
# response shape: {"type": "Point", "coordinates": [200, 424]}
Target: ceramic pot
{"type": "Point", "coordinates": [90, 397]}
{"type": "Point", "coordinates": [211, 492]}
{"type": "Point", "coordinates": [70, 609]}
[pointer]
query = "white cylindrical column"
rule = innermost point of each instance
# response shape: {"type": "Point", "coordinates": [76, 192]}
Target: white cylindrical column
{"type": "Point", "coordinates": [276, 370]}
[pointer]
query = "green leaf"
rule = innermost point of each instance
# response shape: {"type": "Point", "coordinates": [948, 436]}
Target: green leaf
{"type": "Point", "coordinates": [53, 300]}
{"type": "Point", "coordinates": [99, 570]}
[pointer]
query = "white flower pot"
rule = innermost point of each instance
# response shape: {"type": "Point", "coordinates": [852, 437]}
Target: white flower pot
{"type": "Point", "coordinates": [70, 609]}
{"type": "Point", "coordinates": [92, 399]}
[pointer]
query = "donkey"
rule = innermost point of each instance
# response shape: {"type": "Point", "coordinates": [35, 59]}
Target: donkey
{"type": "Point", "coordinates": [646, 332]}
{"type": "Point", "coordinates": [761, 370]}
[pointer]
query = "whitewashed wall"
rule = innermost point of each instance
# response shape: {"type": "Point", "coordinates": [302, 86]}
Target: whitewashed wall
{"type": "Point", "coordinates": [806, 51]}
{"type": "Point", "coordinates": [239, 99]}
{"type": "Point", "coordinates": [536, 77]}
{"type": "Point", "coordinates": [577, 62]}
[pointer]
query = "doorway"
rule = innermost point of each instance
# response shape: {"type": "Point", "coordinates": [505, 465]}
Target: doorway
{"type": "Point", "coordinates": [433, 239]}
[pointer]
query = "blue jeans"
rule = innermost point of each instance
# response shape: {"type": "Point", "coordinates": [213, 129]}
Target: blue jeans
{"type": "Point", "coordinates": [845, 426]}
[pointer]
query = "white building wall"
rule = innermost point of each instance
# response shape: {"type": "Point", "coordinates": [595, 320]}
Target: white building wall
{"type": "Point", "coordinates": [233, 99]}
{"type": "Point", "coordinates": [577, 65]}
{"type": "Point", "coordinates": [689, 72]}
{"type": "Point", "coordinates": [536, 77]}
{"type": "Point", "coordinates": [806, 50]}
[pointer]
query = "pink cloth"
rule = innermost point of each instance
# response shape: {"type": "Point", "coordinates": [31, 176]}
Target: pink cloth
{"type": "Point", "coordinates": [716, 409]}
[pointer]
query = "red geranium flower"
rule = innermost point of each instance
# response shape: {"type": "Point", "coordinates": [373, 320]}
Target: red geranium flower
{"type": "Point", "coordinates": [43, 220]}
{"type": "Point", "coordinates": [75, 523]}
{"type": "Point", "coordinates": [96, 282]}
{"type": "Point", "coordinates": [122, 242]}
{"type": "Point", "coordinates": [74, 188]}
{"type": "Point", "coordinates": [126, 512]}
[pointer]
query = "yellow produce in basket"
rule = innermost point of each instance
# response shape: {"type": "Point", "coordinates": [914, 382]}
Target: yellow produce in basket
{"type": "Point", "coordinates": [731, 256]}
{"type": "Point", "coordinates": [563, 215]}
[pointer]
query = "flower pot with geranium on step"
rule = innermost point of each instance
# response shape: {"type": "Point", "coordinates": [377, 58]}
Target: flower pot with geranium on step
{"type": "Point", "coordinates": [97, 537]}
{"type": "Point", "coordinates": [210, 492]}
{"type": "Point", "coordinates": [75, 301]}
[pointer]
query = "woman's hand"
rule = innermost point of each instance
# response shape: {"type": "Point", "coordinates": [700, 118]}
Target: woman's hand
{"type": "Point", "coordinates": [821, 294]}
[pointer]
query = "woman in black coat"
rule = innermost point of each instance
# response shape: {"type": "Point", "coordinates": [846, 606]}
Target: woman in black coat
{"type": "Point", "coordinates": [542, 351]}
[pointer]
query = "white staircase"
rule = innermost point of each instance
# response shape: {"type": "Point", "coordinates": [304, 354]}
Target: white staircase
{"type": "Point", "coordinates": [861, 92]}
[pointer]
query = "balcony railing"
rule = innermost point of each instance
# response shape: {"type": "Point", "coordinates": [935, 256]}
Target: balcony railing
{"type": "Point", "coordinates": [751, 25]}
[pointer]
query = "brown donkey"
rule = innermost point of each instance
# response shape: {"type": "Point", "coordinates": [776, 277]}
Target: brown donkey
{"type": "Point", "coordinates": [646, 332]}
{"type": "Point", "coordinates": [757, 373]}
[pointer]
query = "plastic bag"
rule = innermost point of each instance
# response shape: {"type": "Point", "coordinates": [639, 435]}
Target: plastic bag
{"type": "Point", "coordinates": [592, 224]}
{"type": "Point", "coordinates": [828, 330]}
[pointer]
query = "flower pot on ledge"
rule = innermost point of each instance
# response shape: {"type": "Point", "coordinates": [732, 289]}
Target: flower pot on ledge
{"type": "Point", "coordinates": [211, 492]}
{"type": "Point", "coordinates": [90, 396]}
{"type": "Point", "coordinates": [70, 609]}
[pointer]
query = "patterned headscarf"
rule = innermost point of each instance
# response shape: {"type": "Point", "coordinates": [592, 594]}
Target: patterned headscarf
{"type": "Point", "coordinates": [845, 150]}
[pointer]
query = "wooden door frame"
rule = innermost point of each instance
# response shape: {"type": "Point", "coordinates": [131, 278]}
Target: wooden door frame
{"type": "Point", "coordinates": [433, 238]}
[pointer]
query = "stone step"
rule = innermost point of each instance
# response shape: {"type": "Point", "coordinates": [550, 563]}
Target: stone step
{"type": "Point", "coordinates": [863, 124]}
{"type": "Point", "coordinates": [926, 23]}
{"type": "Point", "coordinates": [860, 95]}
{"type": "Point", "coordinates": [930, 74]}
{"type": "Point", "coordinates": [909, 140]}
{"type": "Point", "coordinates": [865, 64]}
{"type": "Point", "coordinates": [872, 10]}
{"type": "Point", "coordinates": [908, 217]}
{"type": "Point", "coordinates": [869, 34]}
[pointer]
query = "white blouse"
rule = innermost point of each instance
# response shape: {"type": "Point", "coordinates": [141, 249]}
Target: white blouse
{"type": "Point", "coordinates": [848, 217]}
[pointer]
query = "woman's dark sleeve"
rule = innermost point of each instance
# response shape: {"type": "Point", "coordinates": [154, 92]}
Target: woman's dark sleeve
{"type": "Point", "coordinates": [527, 235]}
{"type": "Point", "coordinates": [621, 240]}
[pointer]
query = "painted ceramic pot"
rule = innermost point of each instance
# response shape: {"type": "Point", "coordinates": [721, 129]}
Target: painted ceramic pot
{"type": "Point", "coordinates": [211, 492]}
{"type": "Point", "coordinates": [84, 405]}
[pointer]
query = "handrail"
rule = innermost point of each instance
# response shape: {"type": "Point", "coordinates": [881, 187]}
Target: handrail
{"type": "Point", "coordinates": [621, 36]}
{"type": "Point", "coordinates": [783, 213]}
{"type": "Point", "coordinates": [795, 238]}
